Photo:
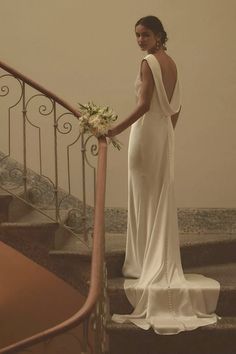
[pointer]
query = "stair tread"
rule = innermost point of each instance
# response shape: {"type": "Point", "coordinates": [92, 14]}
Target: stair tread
{"type": "Point", "coordinates": [115, 243]}
{"type": "Point", "coordinates": [224, 273]}
{"type": "Point", "coordinates": [224, 323]}
{"type": "Point", "coordinates": [27, 224]}
{"type": "Point", "coordinates": [5, 196]}
{"type": "Point", "coordinates": [192, 239]}
{"type": "Point", "coordinates": [35, 215]}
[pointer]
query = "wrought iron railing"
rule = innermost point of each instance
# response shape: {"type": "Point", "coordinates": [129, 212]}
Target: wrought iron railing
{"type": "Point", "coordinates": [38, 181]}
{"type": "Point", "coordinates": [42, 134]}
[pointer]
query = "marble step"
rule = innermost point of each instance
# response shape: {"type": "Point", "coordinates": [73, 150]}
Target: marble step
{"type": "Point", "coordinates": [224, 273]}
{"type": "Point", "coordinates": [219, 338]}
{"type": "Point", "coordinates": [73, 254]}
{"type": "Point", "coordinates": [196, 250]}
{"type": "Point", "coordinates": [206, 249]}
{"type": "Point", "coordinates": [34, 240]}
{"type": "Point", "coordinates": [16, 209]}
{"type": "Point", "coordinates": [26, 223]}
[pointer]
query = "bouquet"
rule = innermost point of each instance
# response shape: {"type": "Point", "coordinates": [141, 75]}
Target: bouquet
{"type": "Point", "coordinates": [97, 121]}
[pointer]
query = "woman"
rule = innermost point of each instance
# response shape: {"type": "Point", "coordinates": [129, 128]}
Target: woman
{"type": "Point", "coordinates": [162, 296]}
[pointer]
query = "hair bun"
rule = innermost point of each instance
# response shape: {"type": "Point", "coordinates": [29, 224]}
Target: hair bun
{"type": "Point", "coordinates": [154, 24]}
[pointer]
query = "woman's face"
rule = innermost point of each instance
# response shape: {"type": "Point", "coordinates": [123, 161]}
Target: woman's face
{"type": "Point", "coordinates": [146, 39]}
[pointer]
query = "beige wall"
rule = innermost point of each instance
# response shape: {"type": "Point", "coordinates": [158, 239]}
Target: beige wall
{"type": "Point", "coordinates": [85, 50]}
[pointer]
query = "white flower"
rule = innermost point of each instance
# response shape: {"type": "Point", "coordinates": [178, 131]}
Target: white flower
{"type": "Point", "coordinates": [97, 120]}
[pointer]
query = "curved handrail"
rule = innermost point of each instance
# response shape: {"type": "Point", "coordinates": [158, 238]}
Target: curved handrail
{"type": "Point", "coordinates": [39, 87]}
{"type": "Point", "coordinates": [96, 267]}
{"type": "Point", "coordinates": [98, 235]}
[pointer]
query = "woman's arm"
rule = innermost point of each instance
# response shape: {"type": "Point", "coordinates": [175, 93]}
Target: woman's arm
{"type": "Point", "coordinates": [144, 101]}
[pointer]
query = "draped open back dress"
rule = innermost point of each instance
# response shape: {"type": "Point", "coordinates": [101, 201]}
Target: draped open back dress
{"type": "Point", "coordinates": [163, 297]}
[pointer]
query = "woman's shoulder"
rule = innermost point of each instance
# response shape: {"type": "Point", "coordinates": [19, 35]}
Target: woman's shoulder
{"type": "Point", "coordinates": [162, 58]}
{"type": "Point", "coordinates": [167, 64]}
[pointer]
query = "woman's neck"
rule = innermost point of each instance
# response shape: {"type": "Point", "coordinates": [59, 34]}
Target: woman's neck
{"type": "Point", "coordinates": [156, 50]}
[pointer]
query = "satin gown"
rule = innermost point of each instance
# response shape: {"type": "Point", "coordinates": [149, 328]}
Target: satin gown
{"type": "Point", "coordinates": [163, 297]}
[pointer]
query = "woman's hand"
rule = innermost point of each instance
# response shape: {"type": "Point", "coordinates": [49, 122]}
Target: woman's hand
{"type": "Point", "coordinates": [111, 133]}
{"type": "Point", "coordinates": [114, 141]}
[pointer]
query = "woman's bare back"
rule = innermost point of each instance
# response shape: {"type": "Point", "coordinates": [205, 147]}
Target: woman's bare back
{"type": "Point", "coordinates": [169, 73]}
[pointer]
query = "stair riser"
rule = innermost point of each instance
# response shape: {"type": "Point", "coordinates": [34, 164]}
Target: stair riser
{"type": "Point", "coordinates": [73, 270]}
{"type": "Point", "coordinates": [43, 234]}
{"type": "Point", "coordinates": [192, 342]}
{"type": "Point", "coordinates": [82, 265]}
{"type": "Point", "coordinates": [190, 258]}
{"type": "Point", "coordinates": [18, 209]}
{"type": "Point", "coordinates": [194, 256]}
{"type": "Point", "coordinates": [207, 254]}
{"type": "Point", "coordinates": [114, 265]}
{"type": "Point", "coordinates": [5, 201]}
{"type": "Point", "coordinates": [3, 215]}
{"type": "Point", "coordinates": [225, 306]}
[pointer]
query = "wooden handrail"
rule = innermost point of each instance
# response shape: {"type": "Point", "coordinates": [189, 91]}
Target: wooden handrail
{"type": "Point", "coordinates": [39, 87]}
{"type": "Point", "coordinates": [98, 237]}
{"type": "Point", "coordinates": [96, 267]}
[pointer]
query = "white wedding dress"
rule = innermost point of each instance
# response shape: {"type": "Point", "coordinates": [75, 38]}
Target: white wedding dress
{"type": "Point", "coordinates": [163, 297]}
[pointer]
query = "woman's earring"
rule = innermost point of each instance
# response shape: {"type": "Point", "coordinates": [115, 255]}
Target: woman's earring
{"type": "Point", "coordinates": [158, 44]}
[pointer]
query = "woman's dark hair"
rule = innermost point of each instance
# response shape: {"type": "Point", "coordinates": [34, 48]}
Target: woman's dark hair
{"type": "Point", "coordinates": [154, 24]}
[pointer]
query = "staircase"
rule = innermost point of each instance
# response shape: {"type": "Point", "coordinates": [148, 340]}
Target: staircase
{"type": "Point", "coordinates": [44, 240]}
{"type": "Point", "coordinates": [44, 162]}
{"type": "Point", "coordinates": [213, 255]}
{"type": "Point", "coordinates": [32, 234]}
